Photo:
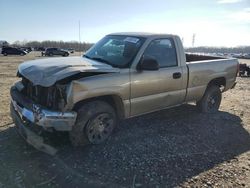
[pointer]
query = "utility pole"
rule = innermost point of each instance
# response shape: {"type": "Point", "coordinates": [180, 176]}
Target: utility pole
{"type": "Point", "coordinates": [193, 39]}
{"type": "Point", "coordinates": [79, 36]}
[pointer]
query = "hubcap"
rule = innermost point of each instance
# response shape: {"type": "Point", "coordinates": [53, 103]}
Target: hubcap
{"type": "Point", "coordinates": [100, 128]}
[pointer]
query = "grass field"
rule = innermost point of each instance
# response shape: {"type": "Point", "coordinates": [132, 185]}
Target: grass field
{"type": "Point", "coordinates": [176, 147]}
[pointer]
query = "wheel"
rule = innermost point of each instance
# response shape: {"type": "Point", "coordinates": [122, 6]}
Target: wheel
{"type": "Point", "coordinates": [22, 54]}
{"type": "Point", "coordinates": [66, 54]}
{"type": "Point", "coordinates": [50, 54]}
{"type": "Point", "coordinates": [211, 100]}
{"type": "Point", "coordinates": [95, 122]}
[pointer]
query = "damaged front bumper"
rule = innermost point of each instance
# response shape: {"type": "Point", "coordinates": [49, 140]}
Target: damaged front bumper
{"type": "Point", "coordinates": [60, 121]}
{"type": "Point", "coordinates": [31, 120]}
{"type": "Point", "coordinates": [30, 136]}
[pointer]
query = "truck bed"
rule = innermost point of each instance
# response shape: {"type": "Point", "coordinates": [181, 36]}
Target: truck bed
{"type": "Point", "coordinates": [202, 69]}
{"type": "Point", "coordinates": [195, 57]}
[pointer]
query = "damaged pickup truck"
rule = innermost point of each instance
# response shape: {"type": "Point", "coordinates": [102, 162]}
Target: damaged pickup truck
{"type": "Point", "coordinates": [122, 76]}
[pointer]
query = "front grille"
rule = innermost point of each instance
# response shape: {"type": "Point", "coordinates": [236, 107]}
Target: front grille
{"type": "Point", "coordinates": [49, 97]}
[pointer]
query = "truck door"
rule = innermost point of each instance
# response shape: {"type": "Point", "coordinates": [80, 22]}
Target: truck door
{"type": "Point", "coordinates": [155, 90]}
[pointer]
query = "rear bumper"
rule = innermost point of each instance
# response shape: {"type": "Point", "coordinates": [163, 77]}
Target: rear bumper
{"type": "Point", "coordinates": [26, 109]}
{"type": "Point", "coordinates": [31, 137]}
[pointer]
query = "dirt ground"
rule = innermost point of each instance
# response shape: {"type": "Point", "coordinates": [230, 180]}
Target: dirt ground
{"type": "Point", "coordinates": [173, 148]}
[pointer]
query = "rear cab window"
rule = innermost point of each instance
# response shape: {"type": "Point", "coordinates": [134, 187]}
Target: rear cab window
{"type": "Point", "coordinates": [164, 51]}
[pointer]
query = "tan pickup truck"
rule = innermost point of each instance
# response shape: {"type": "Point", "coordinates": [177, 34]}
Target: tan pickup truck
{"type": "Point", "coordinates": [122, 76]}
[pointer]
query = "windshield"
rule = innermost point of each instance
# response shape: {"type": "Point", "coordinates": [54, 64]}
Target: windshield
{"type": "Point", "coordinates": [115, 50]}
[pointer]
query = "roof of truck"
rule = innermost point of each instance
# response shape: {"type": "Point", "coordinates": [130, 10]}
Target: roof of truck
{"type": "Point", "coordinates": [142, 34]}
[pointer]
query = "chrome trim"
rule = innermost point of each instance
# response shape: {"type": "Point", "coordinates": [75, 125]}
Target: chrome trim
{"type": "Point", "coordinates": [60, 121]}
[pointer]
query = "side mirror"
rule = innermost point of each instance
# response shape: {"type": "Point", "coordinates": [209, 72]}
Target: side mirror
{"type": "Point", "coordinates": [148, 63]}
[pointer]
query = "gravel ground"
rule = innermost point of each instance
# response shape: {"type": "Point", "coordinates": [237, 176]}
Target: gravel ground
{"type": "Point", "coordinates": [178, 147]}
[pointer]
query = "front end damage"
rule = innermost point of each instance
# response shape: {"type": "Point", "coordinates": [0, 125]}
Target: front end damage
{"type": "Point", "coordinates": [35, 109]}
{"type": "Point", "coordinates": [41, 100]}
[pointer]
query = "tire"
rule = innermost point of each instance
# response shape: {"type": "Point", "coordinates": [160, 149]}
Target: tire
{"type": "Point", "coordinates": [66, 54]}
{"type": "Point", "coordinates": [50, 54]}
{"type": "Point", "coordinates": [211, 100]}
{"type": "Point", "coordinates": [22, 54]}
{"type": "Point", "coordinates": [95, 122]}
{"type": "Point", "coordinates": [5, 54]}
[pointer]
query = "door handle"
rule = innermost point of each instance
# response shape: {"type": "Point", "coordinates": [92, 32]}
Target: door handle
{"type": "Point", "coordinates": [176, 75]}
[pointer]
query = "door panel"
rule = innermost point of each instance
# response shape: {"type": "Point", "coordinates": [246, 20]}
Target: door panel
{"type": "Point", "coordinates": [153, 90]}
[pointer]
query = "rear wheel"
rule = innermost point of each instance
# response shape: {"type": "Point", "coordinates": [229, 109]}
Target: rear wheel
{"type": "Point", "coordinates": [5, 54]}
{"type": "Point", "coordinates": [211, 100]}
{"type": "Point", "coordinates": [95, 122]}
{"type": "Point", "coordinates": [66, 54]}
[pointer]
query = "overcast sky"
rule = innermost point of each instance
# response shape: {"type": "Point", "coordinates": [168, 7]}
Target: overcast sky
{"type": "Point", "coordinates": [215, 22]}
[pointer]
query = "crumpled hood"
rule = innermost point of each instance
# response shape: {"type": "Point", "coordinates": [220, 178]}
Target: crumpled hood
{"type": "Point", "coordinates": [46, 72]}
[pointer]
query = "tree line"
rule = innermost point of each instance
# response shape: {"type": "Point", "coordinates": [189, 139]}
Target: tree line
{"type": "Point", "coordinates": [243, 49]}
{"type": "Point", "coordinates": [55, 44]}
{"type": "Point", "coordinates": [85, 46]}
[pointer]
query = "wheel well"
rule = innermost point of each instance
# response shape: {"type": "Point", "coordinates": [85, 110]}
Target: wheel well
{"type": "Point", "coordinates": [221, 82]}
{"type": "Point", "coordinates": [113, 100]}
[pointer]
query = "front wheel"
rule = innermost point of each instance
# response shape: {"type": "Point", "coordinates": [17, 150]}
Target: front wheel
{"type": "Point", "coordinates": [95, 122]}
{"type": "Point", "coordinates": [211, 100]}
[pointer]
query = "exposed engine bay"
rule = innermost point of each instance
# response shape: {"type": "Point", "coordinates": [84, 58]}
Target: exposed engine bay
{"type": "Point", "coordinates": [53, 97]}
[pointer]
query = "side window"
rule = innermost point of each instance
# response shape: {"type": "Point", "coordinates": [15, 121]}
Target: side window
{"type": "Point", "coordinates": [163, 50]}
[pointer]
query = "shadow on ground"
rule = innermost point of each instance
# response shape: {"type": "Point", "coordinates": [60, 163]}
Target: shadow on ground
{"type": "Point", "coordinates": [162, 148]}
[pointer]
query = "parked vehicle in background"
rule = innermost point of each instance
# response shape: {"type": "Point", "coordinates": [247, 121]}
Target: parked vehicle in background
{"type": "Point", "coordinates": [12, 51]}
{"type": "Point", "coordinates": [244, 70]}
{"type": "Point", "coordinates": [27, 49]}
{"type": "Point", "coordinates": [55, 51]}
{"type": "Point", "coordinates": [240, 55]}
{"type": "Point", "coordinates": [71, 50]}
{"type": "Point", "coordinates": [39, 49]}
{"type": "Point", "coordinates": [246, 56]}
{"type": "Point", "coordinates": [122, 76]}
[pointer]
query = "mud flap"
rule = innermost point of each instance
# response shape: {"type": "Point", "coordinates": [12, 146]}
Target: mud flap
{"type": "Point", "coordinates": [32, 138]}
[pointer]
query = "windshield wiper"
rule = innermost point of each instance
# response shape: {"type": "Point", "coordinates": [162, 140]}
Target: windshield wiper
{"type": "Point", "coordinates": [98, 59]}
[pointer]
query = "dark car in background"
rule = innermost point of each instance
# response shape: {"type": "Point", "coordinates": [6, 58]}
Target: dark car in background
{"type": "Point", "coordinates": [26, 49]}
{"type": "Point", "coordinates": [13, 51]}
{"type": "Point", "coordinates": [71, 50]}
{"type": "Point", "coordinates": [39, 49]}
{"type": "Point", "coordinates": [55, 51]}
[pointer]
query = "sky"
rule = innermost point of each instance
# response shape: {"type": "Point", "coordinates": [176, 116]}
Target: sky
{"type": "Point", "coordinates": [214, 22]}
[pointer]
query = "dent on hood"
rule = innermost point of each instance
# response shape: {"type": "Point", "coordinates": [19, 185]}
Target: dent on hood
{"type": "Point", "coordinates": [46, 72]}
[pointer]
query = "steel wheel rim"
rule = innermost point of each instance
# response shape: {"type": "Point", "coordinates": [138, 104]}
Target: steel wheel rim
{"type": "Point", "coordinates": [213, 102]}
{"type": "Point", "coordinates": [100, 128]}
